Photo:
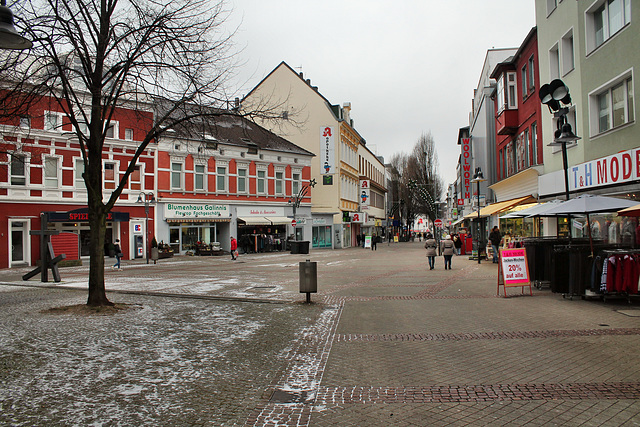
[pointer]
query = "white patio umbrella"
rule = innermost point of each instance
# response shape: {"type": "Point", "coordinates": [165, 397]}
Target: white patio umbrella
{"type": "Point", "coordinates": [589, 204]}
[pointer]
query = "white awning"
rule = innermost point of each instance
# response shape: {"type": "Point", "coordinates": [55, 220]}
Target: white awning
{"type": "Point", "coordinates": [255, 220]}
{"type": "Point", "coordinates": [279, 220]}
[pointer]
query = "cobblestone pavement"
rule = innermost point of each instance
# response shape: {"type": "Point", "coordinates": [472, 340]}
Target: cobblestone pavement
{"type": "Point", "coordinates": [386, 342]}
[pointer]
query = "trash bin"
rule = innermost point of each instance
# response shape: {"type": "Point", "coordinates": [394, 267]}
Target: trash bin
{"type": "Point", "coordinates": [303, 247]}
{"type": "Point", "coordinates": [293, 245]}
{"type": "Point", "coordinates": [308, 278]}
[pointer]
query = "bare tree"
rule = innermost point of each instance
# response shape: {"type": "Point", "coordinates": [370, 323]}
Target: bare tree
{"type": "Point", "coordinates": [91, 57]}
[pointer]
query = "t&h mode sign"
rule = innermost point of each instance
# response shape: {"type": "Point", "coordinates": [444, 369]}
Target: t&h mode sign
{"type": "Point", "coordinates": [195, 210]}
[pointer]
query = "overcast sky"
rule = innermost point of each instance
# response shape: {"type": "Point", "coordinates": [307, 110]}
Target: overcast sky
{"type": "Point", "coordinates": [407, 66]}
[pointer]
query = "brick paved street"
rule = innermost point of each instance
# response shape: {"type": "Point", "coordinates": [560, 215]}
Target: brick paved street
{"type": "Point", "coordinates": [386, 342]}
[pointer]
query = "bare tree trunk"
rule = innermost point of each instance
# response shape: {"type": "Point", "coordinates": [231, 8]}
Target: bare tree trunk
{"type": "Point", "coordinates": [97, 291]}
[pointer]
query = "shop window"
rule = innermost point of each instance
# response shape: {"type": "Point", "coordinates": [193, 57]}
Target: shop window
{"type": "Point", "coordinates": [109, 176]}
{"type": "Point", "coordinates": [51, 172]}
{"type": "Point", "coordinates": [18, 169]}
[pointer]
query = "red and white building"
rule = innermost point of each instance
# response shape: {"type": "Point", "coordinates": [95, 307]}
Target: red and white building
{"type": "Point", "coordinates": [238, 181]}
{"type": "Point", "coordinates": [41, 183]}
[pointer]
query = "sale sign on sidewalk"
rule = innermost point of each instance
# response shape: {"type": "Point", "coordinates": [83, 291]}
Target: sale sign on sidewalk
{"type": "Point", "coordinates": [513, 270]}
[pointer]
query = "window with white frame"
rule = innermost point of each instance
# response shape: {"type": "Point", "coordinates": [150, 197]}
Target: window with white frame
{"type": "Point", "coordinates": [221, 179]}
{"type": "Point", "coordinates": [242, 180]}
{"type": "Point", "coordinates": [261, 181]}
{"type": "Point", "coordinates": [534, 144]}
{"type": "Point", "coordinates": [612, 106]}
{"type": "Point", "coordinates": [18, 169]}
{"type": "Point", "coordinates": [110, 175]}
{"type": "Point", "coordinates": [128, 134]}
{"type": "Point", "coordinates": [532, 74]}
{"type": "Point", "coordinates": [604, 19]}
{"type": "Point", "coordinates": [500, 93]}
{"type": "Point", "coordinates": [135, 179]}
{"type": "Point", "coordinates": [52, 120]}
{"type": "Point", "coordinates": [112, 130]}
{"type": "Point", "coordinates": [512, 101]}
{"type": "Point", "coordinates": [79, 172]}
{"type": "Point", "coordinates": [568, 60]}
{"type": "Point", "coordinates": [296, 183]}
{"type": "Point", "coordinates": [199, 177]}
{"type": "Point", "coordinates": [524, 75]}
{"type": "Point", "coordinates": [572, 120]}
{"type": "Point", "coordinates": [51, 172]}
{"type": "Point", "coordinates": [176, 176]}
{"type": "Point", "coordinates": [25, 122]}
{"type": "Point", "coordinates": [279, 183]}
{"type": "Point", "coordinates": [554, 63]}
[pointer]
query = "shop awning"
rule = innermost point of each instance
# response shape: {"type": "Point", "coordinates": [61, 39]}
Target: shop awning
{"type": "Point", "coordinates": [456, 222]}
{"type": "Point", "coordinates": [279, 220]}
{"type": "Point", "coordinates": [496, 208]}
{"type": "Point", "coordinates": [255, 220]}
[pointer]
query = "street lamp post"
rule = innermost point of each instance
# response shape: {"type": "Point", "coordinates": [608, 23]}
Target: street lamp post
{"type": "Point", "coordinates": [147, 198]}
{"type": "Point", "coordinates": [478, 177]}
{"type": "Point", "coordinates": [555, 95]}
{"type": "Point", "coordinates": [9, 37]}
{"type": "Point", "coordinates": [295, 200]}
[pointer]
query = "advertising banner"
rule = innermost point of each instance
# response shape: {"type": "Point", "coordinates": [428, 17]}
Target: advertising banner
{"type": "Point", "coordinates": [327, 151]}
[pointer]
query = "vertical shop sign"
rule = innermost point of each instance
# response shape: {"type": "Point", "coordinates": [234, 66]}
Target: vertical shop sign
{"type": "Point", "coordinates": [365, 194]}
{"type": "Point", "coordinates": [466, 168]}
{"type": "Point", "coordinates": [327, 150]}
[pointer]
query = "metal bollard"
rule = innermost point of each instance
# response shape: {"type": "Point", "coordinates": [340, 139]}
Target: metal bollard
{"type": "Point", "coordinates": [308, 278]}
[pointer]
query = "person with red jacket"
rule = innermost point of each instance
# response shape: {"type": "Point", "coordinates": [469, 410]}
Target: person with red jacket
{"type": "Point", "coordinates": [234, 249]}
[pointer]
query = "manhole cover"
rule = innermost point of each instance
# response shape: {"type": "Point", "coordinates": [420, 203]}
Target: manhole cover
{"type": "Point", "coordinates": [282, 396]}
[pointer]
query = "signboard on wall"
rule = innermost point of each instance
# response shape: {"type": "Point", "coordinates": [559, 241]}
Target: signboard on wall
{"type": "Point", "coordinates": [327, 150]}
{"type": "Point", "coordinates": [465, 163]}
{"type": "Point", "coordinates": [195, 210]}
{"type": "Point", "coordinates": [365, 193]}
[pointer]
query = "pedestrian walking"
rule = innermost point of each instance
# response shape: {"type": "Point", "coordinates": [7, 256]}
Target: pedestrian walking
{"type": "Point", "coordinates": [447, 248]}
{"type": "Point", "coordinates": [374, 242]}
{"type": "Point", "coordinates": [495, 237]}
{"type": "Point", "coordinates": [457, 242]}
{"type": "Point", "coordinates": [118, 251]}
{"type": "Point", "coordinates": [430, 245]}
{"type": "Point", "coordinates": [234, 249]}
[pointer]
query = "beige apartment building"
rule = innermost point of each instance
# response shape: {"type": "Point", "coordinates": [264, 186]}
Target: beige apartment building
{"type": "Point", "coordinates": [302, 115]}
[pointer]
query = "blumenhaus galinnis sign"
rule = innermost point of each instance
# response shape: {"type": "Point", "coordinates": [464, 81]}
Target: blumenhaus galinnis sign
{"type": "Point", "coordinates": [195, 210]}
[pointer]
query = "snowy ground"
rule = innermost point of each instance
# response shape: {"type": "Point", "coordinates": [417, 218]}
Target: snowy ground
{"type": "Point", "coordinates": [161, 362]}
